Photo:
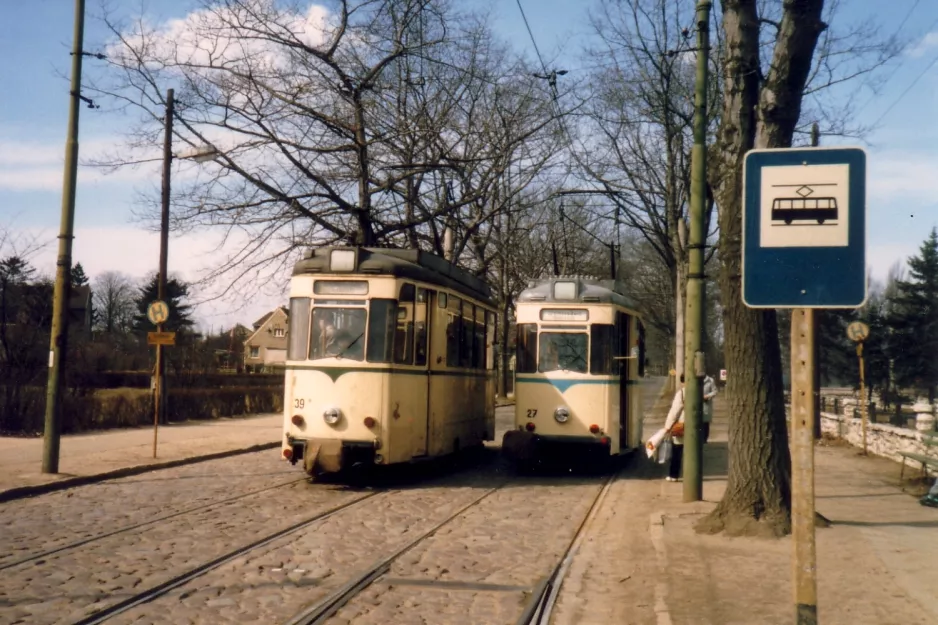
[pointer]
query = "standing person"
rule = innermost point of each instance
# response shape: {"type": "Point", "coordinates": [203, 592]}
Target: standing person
{"type": "Point", "coordinates": [709, 392]}
{"type": "Point", "coordinates": [675, 425]}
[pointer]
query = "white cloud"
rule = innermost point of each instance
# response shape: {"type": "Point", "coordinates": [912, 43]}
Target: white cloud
{"type": "Point", "coordinates": [217, 36]}
{"type": "Point", "coordinates": [922, 46]}
{"type": "Point", "coordinates": [909, 175]}
{"type": "Point", "coordinates": [37, 166]}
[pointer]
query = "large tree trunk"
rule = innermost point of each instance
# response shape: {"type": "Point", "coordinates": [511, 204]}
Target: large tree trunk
{"type": "Point", "coordinates": [758, 493]}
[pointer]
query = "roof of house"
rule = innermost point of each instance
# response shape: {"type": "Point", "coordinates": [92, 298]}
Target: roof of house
{"type": "Point", "coordinates": [263, 320]}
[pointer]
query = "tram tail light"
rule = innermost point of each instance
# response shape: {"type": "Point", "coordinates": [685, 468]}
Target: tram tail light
{"type": "Point", "coordinates": [604, 440]}
{"type": "Point", "coordinates": [529, 427]}
{"type": "Point", "coordinates": [288, 453]}
{"type": "Point", "coordinates": [298, 420]}
{"type": "Point", "coordinates": [594, 429]}
{"type": "Point", "coordinates": [370, 422]}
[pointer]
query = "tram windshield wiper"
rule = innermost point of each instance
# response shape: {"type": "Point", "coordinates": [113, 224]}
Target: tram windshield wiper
{"type": "Point", "coordinates": [345, 349]}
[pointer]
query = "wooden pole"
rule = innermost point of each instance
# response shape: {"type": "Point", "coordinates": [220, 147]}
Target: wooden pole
{"type": "Point", "coordinates": [164, 245]}
{"type": "Point", "coordinates": [804, 562]}
{"type": "Point", "coordinates": [862, 394]}
{"type": "Point", "coordinates": [157, 389]}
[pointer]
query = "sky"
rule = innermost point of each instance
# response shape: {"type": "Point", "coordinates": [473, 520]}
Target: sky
{"type": "Point", "coordinates": [36, 38]}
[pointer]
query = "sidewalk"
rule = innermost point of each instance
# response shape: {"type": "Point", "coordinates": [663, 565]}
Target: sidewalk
{"type": "Point", "coordinates": [127, 451]}
{"type": "Point", "coordinates": [642, 562]}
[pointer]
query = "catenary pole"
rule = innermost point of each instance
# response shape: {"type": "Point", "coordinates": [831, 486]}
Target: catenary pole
{"type": "Point", "coordinates": [58, 347]}
{"type": "Point", "coordinates": [694, 367]}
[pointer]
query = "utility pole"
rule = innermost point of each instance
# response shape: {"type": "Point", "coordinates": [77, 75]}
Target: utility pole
{"type": "Point", "coordinates": [59, 336]}
{"type": "Point", "coordinates": [159, 401]}
{"type": "Point", "coordinates": [694, 366]}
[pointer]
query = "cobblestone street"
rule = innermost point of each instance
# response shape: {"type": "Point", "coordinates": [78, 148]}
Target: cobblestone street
{"type": "Point", "coordinates": [83, 554]}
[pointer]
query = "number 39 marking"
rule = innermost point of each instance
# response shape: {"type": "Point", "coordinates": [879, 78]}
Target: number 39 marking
{"type": "Point", "coordinates": [532, 413]}
{"type": "Point", "coordinates": [298, 403]}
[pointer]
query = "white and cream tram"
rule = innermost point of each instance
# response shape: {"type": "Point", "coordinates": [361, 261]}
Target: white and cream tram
{"type": "Point", "coordinates": [389, 359]}
{"type": "Point", "coordinates": [580, 355]}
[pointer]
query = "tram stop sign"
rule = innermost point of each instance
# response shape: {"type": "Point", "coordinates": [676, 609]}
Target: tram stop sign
{"type": "Point", "coordinates": [157, 312]}
{"type": "Point", "coordinates": [804, 228]}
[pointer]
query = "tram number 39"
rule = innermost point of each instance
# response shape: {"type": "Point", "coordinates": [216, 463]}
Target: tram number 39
{"type": "Point", "coordinates": [532, 413]}
{"type": "Point", "coordinates": [298, 403]}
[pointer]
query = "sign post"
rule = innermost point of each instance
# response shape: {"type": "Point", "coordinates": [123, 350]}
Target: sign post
{"type": "Point", "coordinates": [858, 332]}
{"type": "Point", "coordinates": [157, 313]}
{"type": "Point", "coordinates": [804, 248]}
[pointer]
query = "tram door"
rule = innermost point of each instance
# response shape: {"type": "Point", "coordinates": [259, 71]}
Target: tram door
{"type": "Point", "coordinates": [420, 384]}
{"type": "Point", "coordinates": [623, 334]}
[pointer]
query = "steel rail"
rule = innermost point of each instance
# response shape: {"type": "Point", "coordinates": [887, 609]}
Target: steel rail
{"type": "Point", "coordinates": [154, 592]}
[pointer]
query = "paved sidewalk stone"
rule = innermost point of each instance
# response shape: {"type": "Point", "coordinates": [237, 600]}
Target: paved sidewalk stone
{"type": "Point", "coordinates": [84, 455]}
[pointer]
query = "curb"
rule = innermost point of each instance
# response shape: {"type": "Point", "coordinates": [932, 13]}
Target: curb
{"type": "Point", "coordinates": [21, 492]}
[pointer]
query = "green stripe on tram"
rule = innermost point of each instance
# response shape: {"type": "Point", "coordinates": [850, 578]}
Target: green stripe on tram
{"type": "Point", "coordinates": [563, 385]}
{"type": "Point", "coordinates": [336, 372]}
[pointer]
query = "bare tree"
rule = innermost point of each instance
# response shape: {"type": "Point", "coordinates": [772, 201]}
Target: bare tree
{"type": "Point", "coordinates": [114, 302]}
{"type": "Point", "coordinates": [639, 119]}
{"type": "Point", "coordinates": [768, 57]}
{"type": "Point", "coordinates": [383, 121]}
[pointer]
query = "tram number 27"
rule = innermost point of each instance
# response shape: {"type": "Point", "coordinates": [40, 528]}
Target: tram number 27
{"type": "Point", "coordinates": [298, 403]}
{"type": "Point", "coordinates": [532, 412]}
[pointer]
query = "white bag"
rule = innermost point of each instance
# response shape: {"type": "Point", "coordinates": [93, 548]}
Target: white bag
{"type": "Point", "coordinates": [651, 446]}
{"type": "Point", "coordinates": [664, 451]}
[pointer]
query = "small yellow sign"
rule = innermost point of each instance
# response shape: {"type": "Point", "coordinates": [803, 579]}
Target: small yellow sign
{"type": "Point", "coordinates": [161, 338]}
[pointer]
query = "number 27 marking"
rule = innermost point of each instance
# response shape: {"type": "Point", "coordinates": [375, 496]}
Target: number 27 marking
{"type": "Point", "coordinates": [532, 413]}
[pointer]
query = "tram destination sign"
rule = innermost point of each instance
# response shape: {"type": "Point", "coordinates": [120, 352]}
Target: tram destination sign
{"type": "Point", "coordinates": [804, 228]}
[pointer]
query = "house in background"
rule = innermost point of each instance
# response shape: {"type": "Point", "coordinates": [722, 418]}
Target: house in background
{"type": "Point", "coordinates": [266, 349]}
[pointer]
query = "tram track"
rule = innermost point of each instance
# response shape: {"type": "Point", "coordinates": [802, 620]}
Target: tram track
{"type": "Point", "coordinates": [136, 526]}
{"type": "Point", "coordinates": [154, 592]}
{"type": "Point", "coordinates": [542, 596]}
{"type": "Point", "coordinates": [538, 609]}
{"type": "Point", "coordinates": [325, 609]}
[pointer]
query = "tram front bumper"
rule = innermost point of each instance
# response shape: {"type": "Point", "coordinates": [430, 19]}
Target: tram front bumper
{"type": "Point", "coordinates": [522, 446]}
{"type": "Point", "coordinates": [327, 455]}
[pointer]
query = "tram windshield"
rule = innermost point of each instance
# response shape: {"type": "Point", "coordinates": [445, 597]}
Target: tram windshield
{"type": "Point", "coordinates": [338, 332]}
{"type": "Point", "coordinates": [563, 351]}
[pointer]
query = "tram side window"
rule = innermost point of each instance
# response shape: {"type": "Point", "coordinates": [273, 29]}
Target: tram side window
{"type": "Point", "coordinates": [453, 330]}
{"type": "Point", "coordinates": [298, 341]}
{"type": "Point", "coordinates": [381, 326]}
{"type": "Point", "coordinates": [465, 334]}
{"type": "Point", "coordinates": [404, 333]}
{"type": "Point", "coordinates": [338, 332]}
{"type": "Point", "coordinates": [420, 327]}
{"type": "Point", "coordinates": [478, 341]}
{"type": "Point", "coordinates": [602, 348]}
{"type": "Point", "coordinates": [527, 348]}
{"type": "Point", "coordinates": [562, 351]}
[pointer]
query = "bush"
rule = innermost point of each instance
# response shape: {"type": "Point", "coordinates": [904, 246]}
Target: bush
{"type": "Point", "coordinates": [141, 379]}
{"type": "Point", "coordinates": [131, 407]}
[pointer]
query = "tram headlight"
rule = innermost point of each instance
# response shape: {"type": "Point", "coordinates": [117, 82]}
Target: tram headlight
{"type": "Point", "coordinates": [331, 416]}
{"type": "Point", "coordinates": [562, 414]}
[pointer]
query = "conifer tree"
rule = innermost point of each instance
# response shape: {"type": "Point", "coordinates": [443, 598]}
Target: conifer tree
{"type": "Point", "coordinates": [913, 318]}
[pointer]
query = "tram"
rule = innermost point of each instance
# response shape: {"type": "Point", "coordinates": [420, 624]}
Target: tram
{"type": "Point", "coordinates": [791, 209]}
{"type": "Point", "coordinates": [580, 355]}
{"type": "Point", "coordinates": [389, 359]}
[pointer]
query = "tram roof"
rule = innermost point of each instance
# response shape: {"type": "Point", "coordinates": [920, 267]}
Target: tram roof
{"type": "Point", "coordinates": [402, 263]}
{"type": "Point", "coordinates": [588, 291]}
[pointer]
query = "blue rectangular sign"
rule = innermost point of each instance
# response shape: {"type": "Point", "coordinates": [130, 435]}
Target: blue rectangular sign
{"type": "Point", "coordinates": [804, 228]}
